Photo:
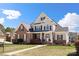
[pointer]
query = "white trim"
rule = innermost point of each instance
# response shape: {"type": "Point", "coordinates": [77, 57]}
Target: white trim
{"type": "Point", "coordinates": [18, 36]}
{"type": "Point", "coordinates": [67, 38]}
{"type": "Point", "coordinates": [51, 38]}
{"type": "Point", "coordinates": [41, 36]}
{"type": "Point", "coordinates": [20, 25]}
{"type": "Point", "coordinates": [24, 37]}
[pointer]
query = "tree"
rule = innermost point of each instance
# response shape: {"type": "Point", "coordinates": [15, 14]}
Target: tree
{"type": "Point", "coordinates": [8, 29]}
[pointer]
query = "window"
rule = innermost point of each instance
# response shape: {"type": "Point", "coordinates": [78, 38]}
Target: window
{"type": "Point", "coordinates": [42, 18]}
{"type": "Point", "coordinates": [59, 37]}
{"type": "Point", "coordinates": [47, 27]}
{"type": "Point", "coordinates": [35, 27]}
{"type": "Point", "coordinates": [38, 28]}
{"type": "Point", "coordinates": [50, 27]}
{"type": "Point", "coordinates": [41, 27]}
{"type": "Point", "coordinates": [22, 30]}
{"type": "Point", "coordinates": [44, 27]}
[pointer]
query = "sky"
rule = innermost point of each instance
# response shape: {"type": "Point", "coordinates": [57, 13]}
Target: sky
{"type": "Point", "coordinates": [65, 14]}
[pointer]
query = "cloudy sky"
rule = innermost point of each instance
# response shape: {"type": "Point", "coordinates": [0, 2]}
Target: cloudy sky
{"type": "Point", "coordinates": [67, 15]}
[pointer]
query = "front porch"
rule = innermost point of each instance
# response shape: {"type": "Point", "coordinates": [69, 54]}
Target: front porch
{"type": "Point", "coordinates": [42, 37]}
{"type": "Point", "coordinates": [50, 37]}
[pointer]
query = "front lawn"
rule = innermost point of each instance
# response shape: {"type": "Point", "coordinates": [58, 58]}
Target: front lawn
{"type": "Point", "coordinates": [49, 51]}
{"type": "Point", "coordinates": [14, 47]}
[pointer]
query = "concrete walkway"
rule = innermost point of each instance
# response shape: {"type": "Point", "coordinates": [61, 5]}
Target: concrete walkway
{"type": "Point", "coordinates": [14, 52]}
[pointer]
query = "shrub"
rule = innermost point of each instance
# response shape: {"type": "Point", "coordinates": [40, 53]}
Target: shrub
{"type": "Point", "coordinates": [17, 41]}
{"type": "Point", "coordinates": [77, 46]}
{"type": "Point", "coordinates": [1, 44]}
{"type": "Point", "coordinates": [68, 44]}
{"type": "Point", "coordinates": [14, 41]}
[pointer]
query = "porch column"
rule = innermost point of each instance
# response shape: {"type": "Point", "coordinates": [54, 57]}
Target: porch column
{"type": "Point", "coordinates": [51, 38]}
{"type": "Point", "coordinates": [24, 37]}
{"type": "Point", "coordinates": [41, 36]}
{"type": "Point", "coordinates": [44, 35]}
{"type": "Point", "coordinates": [28, 37]}
{"type": "Point", "coordinates": [18, 36]}
{"type": "Point", "coordinates": [67, 38]}
{"type": "Point", "coordinates": [55, 36]}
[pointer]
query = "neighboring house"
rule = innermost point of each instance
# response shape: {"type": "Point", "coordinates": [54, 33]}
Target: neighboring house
{"type": "Point", "coordinates": [2, 34]}
{"type": "Point", "coordinates": [43, 30]}
{"type": "Point", "coordinates": [22, 32]}
{"type": "Point", "coordinates": [72, 36]}
{"type": "Point", "coordinates": [10, 36]}
{"type": "Point", "coordinates": [78, 35]}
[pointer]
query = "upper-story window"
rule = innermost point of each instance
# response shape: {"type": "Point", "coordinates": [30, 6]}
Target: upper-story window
{"type": "Point", "coordinates": [41, 27]}
{"type": "Point", "coordinates": [35, 27]}
{"type": "Point", "coordinates": [42, 18]}
{"type": "Point", "coordinates": [38, 28]}
{"type": "Point", "coordinates": [50, 27]}
{"type": "Point", "coordinates": [47, 27]}
{"type": "Point", "coordinates": [44, 27]}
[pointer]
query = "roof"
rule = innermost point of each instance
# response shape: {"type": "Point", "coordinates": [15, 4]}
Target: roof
{"type": "Point", "coordinates": [26, 26]}
{"type": "Point", "coordinates": [48, 20]}
{"type": "Point", "coordinates": [1, 33]}
{"type": "Point", "coordinates": [42, 14]}
{"type": "Point", "coordinates": [1, 30]}
{"type": "Point", "coordinates": [59, 28]}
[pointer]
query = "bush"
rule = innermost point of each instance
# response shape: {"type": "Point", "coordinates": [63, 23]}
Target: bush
{"type": "Point", "coordinates": [17, 41]}
{"type": "Point", "coordinates": [77, 46]}
{"type": "Point", "coordinates": [60, 42]}
{"type": "Point", "coordinates": [35, 41]}
{"type": "Point", "coordinates": [14, 41]}
{"type": "Point", "coordinates": [68, 44]}
{"type": "Point", "coordinates": [1, 44]}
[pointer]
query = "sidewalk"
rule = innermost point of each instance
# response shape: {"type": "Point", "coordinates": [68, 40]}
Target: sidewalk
{"type": "Point", "coordinates": [14, 52]}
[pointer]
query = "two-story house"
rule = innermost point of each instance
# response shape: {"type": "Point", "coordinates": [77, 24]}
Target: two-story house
{"type": "Point", "coordinates": [43, 30]}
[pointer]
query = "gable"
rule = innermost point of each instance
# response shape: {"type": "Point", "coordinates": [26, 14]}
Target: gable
{"type": "Point", "coordinates": [43, 19]}
{"type": "Point", "coordinates": [21, 28]}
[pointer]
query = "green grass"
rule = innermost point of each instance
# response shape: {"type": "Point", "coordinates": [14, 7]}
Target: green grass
{"type": "Point", "coordinates": [49, 51]}
{"type": "Point", "coordinates": [15, 47]}
{"type": "Point", "coordinates": [61, 47]}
